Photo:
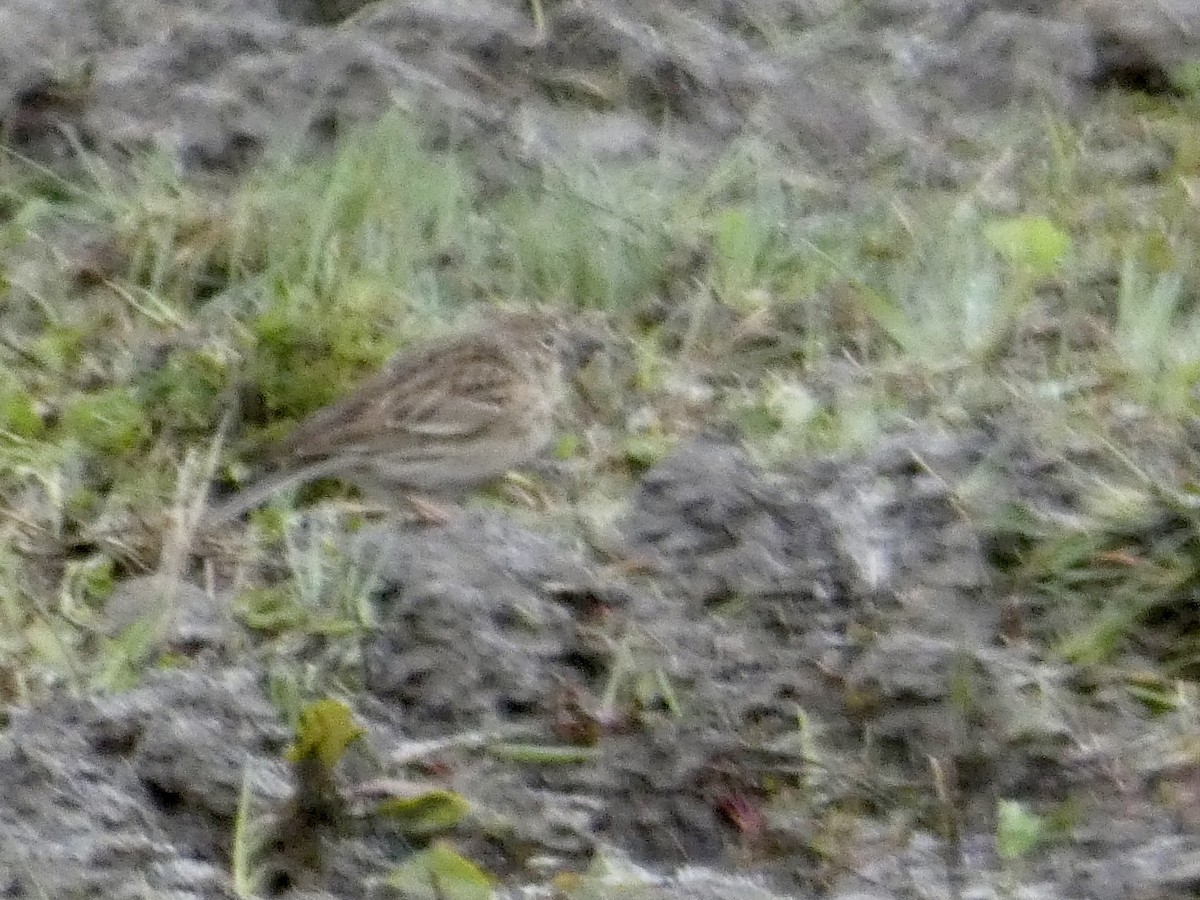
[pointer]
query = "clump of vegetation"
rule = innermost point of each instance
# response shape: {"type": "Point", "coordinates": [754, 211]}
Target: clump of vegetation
{"type": "Point", "coordinates": [166, 318]}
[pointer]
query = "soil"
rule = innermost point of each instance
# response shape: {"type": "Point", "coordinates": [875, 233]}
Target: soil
{"type": "Point", "coordinates": [821, 688]}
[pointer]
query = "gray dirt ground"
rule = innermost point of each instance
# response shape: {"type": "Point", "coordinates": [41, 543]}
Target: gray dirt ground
{"type": "Point", "coordinates": [853, 594]}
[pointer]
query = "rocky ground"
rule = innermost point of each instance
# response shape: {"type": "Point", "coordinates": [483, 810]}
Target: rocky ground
{"type": "Point", "coordinates": [810, 679]}
{"type": "Point", "coordinates": [838, 87]}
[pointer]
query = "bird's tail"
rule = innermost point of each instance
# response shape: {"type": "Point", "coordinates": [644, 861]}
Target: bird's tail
{"type": "Point", "coordinates": [262, 490]}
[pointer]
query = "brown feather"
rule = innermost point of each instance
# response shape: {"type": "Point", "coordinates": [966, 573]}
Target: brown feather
{"type": "Point", "coordinates": [440, 417]}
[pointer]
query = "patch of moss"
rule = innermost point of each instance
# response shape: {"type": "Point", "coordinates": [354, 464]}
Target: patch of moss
{"type": "Point", "coordinates": [18, 411]}
{"type": "Point", "coordinates": [59, 346]}
{"type": "Point", "coordinates": [184, 392]}
{"type": "Point", "coordinates": [309, 350]}
{"type": "Point", "coordinates": [108, 421]}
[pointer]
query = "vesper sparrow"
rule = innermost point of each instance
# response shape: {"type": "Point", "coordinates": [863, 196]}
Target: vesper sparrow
{"type": "Point", "coordinates": [441, 418]}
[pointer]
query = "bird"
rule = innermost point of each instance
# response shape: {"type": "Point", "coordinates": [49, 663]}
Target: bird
{"type": "Point", "coordinates": [442, 417]}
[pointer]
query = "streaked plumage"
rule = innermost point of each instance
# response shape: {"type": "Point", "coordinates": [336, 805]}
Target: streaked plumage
{"type": "Point", "coordinates": [441, 418]}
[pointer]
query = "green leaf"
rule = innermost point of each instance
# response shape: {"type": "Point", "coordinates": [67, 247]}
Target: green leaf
{"type": "Point", "coordinates": [1030, 242]}
{"type": "Point", "coordinates": [567, 446]}
{"type": "Point", "coordinates": [740, 245]}
{"type": "Point", "coordinates": [245, 840]}
{"type": "Point", "coordinates": [48, 646]}
{"type": "Point", "coordinates": [654, 688]}
{"type": "Point", "coordinates": [1157, 697]}
{"type": "Point", "coordinates": [270, 609]}
{"type": "Point", "coordinates": [426, 813]}
{"type": "Point", "coordinates": [541, 754]}
{"type": "Point", "coordinates": [127, 653]}
{"type": "Point", "coordinates": [326, 729]}
{"type": "Point", "coordinates": [439, 873]}
{"type": "Point", "coordinates": [91, 579]}
{"type": "Point", "coordinates": [642, 451]}
{"type": "Point", "coordinates": [1017, 830]}
{"type": "Point", "coordinates": [1186, 78]}
{"type": "Point", "coordinates": [1147, 311]}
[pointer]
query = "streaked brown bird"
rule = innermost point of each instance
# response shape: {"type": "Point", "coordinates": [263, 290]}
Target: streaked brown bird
{"type": "Point", "coordinates": [442, 417]}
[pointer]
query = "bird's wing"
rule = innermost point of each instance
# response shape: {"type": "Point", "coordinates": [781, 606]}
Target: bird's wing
{"type": "Point", "coordinates": [444, 392]}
